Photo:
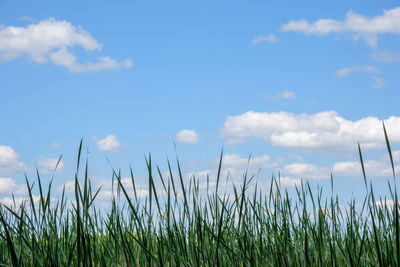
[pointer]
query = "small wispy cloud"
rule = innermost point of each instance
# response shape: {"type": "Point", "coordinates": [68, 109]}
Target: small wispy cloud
{"type": "Point", "coordinates": [283, 95]}
{"type": "Point", "coordinates": [344, 72]}
{"type": "Point", "coordinates": [270, 38]}
{"type": "Point", "coordinates": [386, 56]}
{"type": "Point", "coordinates": [27, 18]}
{"type": "Point", "coordinates": [378, 82]}
{"type": "Point", "coordinates": [55, 145]}
{"type": "Point", "coordinates": [289, 181]}
{"type": "Point", "coordinates": [361, 27]}
{"type": "Point", "coordinates": [66, 59]}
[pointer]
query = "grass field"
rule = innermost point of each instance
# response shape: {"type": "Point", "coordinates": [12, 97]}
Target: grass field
{"type": "Point", "coordinates": [183, 227]}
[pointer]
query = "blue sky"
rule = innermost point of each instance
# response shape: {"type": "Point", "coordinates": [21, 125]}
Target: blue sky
{"type": "Point", "coordinates": [296, 85]}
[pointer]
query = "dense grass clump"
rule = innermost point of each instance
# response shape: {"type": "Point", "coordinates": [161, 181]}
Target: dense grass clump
{"type": "Point", "coordinates": [177, 225]}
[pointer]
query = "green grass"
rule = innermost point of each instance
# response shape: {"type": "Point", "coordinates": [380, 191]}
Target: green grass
{"type": "Point", "coordinates": [183, 227]}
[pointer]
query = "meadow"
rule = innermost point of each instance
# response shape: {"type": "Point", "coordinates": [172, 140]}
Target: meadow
{"type": "Point", "coordinates": [183, 227]}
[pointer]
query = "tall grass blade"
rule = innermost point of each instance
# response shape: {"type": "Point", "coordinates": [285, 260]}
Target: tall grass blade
{"type": "Point", "coordinates": [362, 166]}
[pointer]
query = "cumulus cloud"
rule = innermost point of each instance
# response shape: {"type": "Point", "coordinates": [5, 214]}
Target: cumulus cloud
{"type": "Point", "coordinates": [344, 72]}
{"type": "Point", "coordinates": [110, 143]}
{"type": "Point", "coordinates": [386, 204]}
{"type": "Point", "coordinates": [236, 161]}
{"type": "Point", "coordinates": [377, 168]}
{"type": "Point", "coordinates": [396, 155]}
{"type": "Point", "coordinates": [9, 160]}
{"type": "Point", "coordinates": [51, 39]}
{"type": "Point", "coordinates": [69, 186]}
{"type": "Point", "coordinates": [309, 131]}
{"type": "Point", "coordinates": [373, 168]}
{"type": "Point", "coordinates": [108, 189]}
{"type": "Point", "coordinates": [232, 170]}
{"type": "Point", "coordinates": [270, 38]}
{"type": "Point", "coordinates": [187, 136]}
{"type": "Point", "coordinates": [283, 95]}
{"type": "Point", "coordinates": [17, 201]}
{"type": "Point", "coordinates": [347, 168]}
{"type": "Point", "coordinates": [289, 181]}
{"type": "Point", "coordinates": [48, 165]}
{"type": "Point", "coordinates": [306, 170]}
{"type": "Point", "coordinates": [386, 56]}
{"type": "Point", "coordinates": [236, 165]}
{"type": "Point", "coordinates": [107, 194]}
{"type": "Point", "coordinates": [361, 27]}
{"type": "Point", "coordinates": [8, 185]}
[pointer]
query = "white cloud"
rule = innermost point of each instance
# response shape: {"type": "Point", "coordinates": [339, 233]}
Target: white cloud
{"type": "Point", "coordinates": [106, 191]}
{"type": "Point", "coordinates": [9, 162]}
{"type": "Point", "coordinates": [64, 58]}
{"type": "Point", "coordinates": [386, 56]}
{"type": "Point", "coordinates": [283, 95]}
{"type": "Point", "coordinates": [110, 143]}
{"type": "Point", "coordinates": [396, 155]}
{"type": "Point", "coordinates": [10, 202]}
{"type": "Point", "coordinates": [50, 39]}
{"type": "Point", "coordinates": [310, 131]}
{"type": "Point", "coordinates": [38, 40]}
{"type": "Point", "coordinates": [48, 165]}
{"type": "Point", "coordinates": [380, 168]}
{"type": "Point", "coordinates": [347, 168]}
{"type": "Point", "coordinates": [236, 165]}
{"type": "Point", "coordinates": [344, 72]}
{"type": "Point", "coordinates": [378, 82]}
{"type": "Point", "coordinates": [373, 168]}
{"type": "Point", "coordinates": [200, 175]}
{"type": "Point", "coordinates": [69, 186]}
{"type": "Point", "coordinates": [187, 136]}
{"type": "Point", "coordinates": [233, 166]}
{"type": "Point", "coordinates": [107, 194]}
{"type": "Point", "coordinates": [361, 27]}
{"type": "Point", "coordinates": [306, 170]}
{"type": "Point", "coordinates": [289, 181]}
{"type": "Point", "coordinates": [236, 161]}
{"type": "Point", "coordinates": [386, 204]}
{"type": "Point", "coordinates": [7, 155]}
{"type": "Point", "coordinates": [270, 38]}
{"type": "Point", "coordinates": [8, 185]}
